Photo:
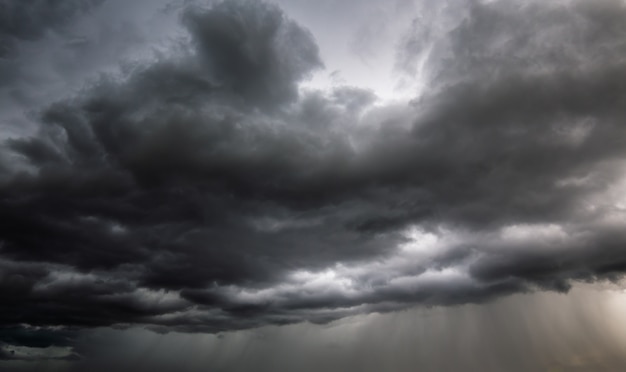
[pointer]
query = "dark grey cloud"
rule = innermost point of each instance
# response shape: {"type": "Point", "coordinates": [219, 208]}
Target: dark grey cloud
{"type": "Point", "coordinates": [205, 192]}
{"type": "Point", "coordinates": [253, 51]}
{"type": "Point", "coordinates": [30, 20]}
{"type": "Point", "coordinates": [27, 23]}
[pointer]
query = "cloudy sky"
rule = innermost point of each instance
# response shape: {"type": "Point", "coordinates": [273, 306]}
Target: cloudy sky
{"type": "Point", "coordinates": [331, 185]}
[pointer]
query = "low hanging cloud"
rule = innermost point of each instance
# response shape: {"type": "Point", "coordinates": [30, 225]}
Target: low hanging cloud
{"type": "Point", "coordinates": [205, 191]}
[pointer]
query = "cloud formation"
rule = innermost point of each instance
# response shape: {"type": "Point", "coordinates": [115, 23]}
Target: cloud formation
{"type": "Point", "coordinates": [205, 191]}
{"type": "Point", "coordinates": [30, 20]}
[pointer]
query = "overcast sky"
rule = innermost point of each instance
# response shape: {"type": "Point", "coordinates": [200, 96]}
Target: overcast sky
{"type": "Point", "coordinates": [337, 185]}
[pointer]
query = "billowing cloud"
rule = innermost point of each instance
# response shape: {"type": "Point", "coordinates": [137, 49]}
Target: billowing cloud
{"type": "Point", "coordinates": [206, 191]}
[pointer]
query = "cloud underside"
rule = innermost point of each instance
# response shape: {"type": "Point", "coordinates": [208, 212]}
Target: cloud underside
{"type": "Point", "coordinates": [205, 192]}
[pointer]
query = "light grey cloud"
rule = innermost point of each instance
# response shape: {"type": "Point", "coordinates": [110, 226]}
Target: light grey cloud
{"type": "Point", "coordinates": [541, 331]}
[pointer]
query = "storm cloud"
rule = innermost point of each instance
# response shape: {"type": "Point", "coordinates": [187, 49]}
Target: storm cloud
{"type": "Point", "coordinates": [206, 190]}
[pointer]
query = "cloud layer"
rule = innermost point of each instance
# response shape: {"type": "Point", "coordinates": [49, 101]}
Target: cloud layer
{"type": "Point", "coordinates": [204, 191]}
